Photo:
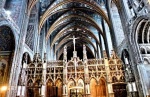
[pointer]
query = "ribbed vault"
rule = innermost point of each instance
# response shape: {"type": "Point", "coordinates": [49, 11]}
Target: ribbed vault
{"type": "Point", "coordinates": [67, 18]}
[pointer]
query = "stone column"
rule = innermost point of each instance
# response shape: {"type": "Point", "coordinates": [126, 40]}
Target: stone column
{"type": "Point", "coordinates": [87, 90]}
{"type": "Point", "coordinates": [132, 90]}
{"type": "Point", "coordinates": [65, 91]}
{"type": "Point", "coordinates": [87, 87]}
{"type": "Point", "coordinates": [43, 88]}
{"type": "Point", "coordinates": [43, 91]}
{"type": "Point", "coordinates": [109, 84]}
{"type": "Point", "coordinates": [110, 90]}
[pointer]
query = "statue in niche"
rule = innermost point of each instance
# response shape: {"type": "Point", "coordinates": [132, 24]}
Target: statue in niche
{"type": "Point", "coordinates": [2, 70]}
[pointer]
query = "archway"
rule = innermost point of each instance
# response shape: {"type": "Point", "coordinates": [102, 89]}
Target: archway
{"type": "Point", "coordinates": [93, 85]}
{"type": "Point", "coordinates": [140, 44]}
{"type": "Point", "coordinates": [50, 91]}
{"type": "Point", "coordinates": [33, 89]}
{"type": "Point", "coordinates": [30, 92]}
{"type": "Point", "coordinates": [71, 84]}
{"type": "Point", "coordinates": [7, 47]}
{"type": "Point", "coordinates": [125, 58]}
{"type": "Point", "coordinates": [59, 88]}
{"type": "Point", "coordinates": [101, 89]}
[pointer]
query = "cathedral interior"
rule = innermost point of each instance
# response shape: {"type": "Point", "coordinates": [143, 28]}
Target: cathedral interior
{"type": "Point", "coordinates": [74, 48]}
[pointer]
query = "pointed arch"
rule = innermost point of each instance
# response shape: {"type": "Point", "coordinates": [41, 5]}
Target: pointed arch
{"type": "Point", "coordinates": [59, 86]}
{"type": "Point", "coordinates": [93, 87]}
{"type": "Point", "coordinates": [8, 48]}
{"type": "Point", "coordinates": [102, 88]}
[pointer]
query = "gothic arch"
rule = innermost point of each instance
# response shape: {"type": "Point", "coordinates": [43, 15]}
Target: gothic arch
{"type": "Point", "coordinates": [148, 50]}
{"type": "Point", "coordinates": [80, 63]}
{"type": "Point", "coordinates": [133, 35]}
{"type": "Point", "coordinates": [140, 36]}
{"type": "Point", "coordinates": [71, 83]}
{"type": "Point", "coordinates": [80, 82]}
{"type": "Point", "coordinates": [59, 85]}
{"type": "Point", "coordinates": [146, 61]}
{"type": "Point", "coordinates": [102, 88]}
{"type": "Point", "coordinates": [70, 63]}
{"type": "Point", "coordinates": [114, 79]}
{"type": "Point", "coordinates": [58, 79]}
{"type": "Point", "coordinates": [125, 57]}
{"type": "Point", "coordinates": [31, 65]}
{"type": "Point", "coordinates": [30, 82]}
{"type": "Point", "coordinates": [31, 4]}
{"type": "Point", "coordinates": [49, 88]}
{"type": "Point", "coordinates": [7, 52]}
{"type": "Point", "coordinates": [50, 80]}
{"type": "Point", "coordinates": [26, 58]}
{"type": "Point", "coordinates": [60, 20]}
{"type": "Point", "coordinates": [65, 29]}
{"type": "Point", "coordinates": [14, 29]}
{"type": "Point", "coordinates": [93, 85]}
{"type": "Point", "coordinates": [142, 50]}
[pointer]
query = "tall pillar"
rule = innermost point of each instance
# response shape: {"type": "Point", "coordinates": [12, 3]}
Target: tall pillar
{"type": "Point", "coordinates": [43, 88]}
{"type": "Point", "coordinates": [87, 89]}
{"type": "Point", "coordinates": [65, 90]}
{"type": "Point", "coordinates": [48, 51]}
{"type": "Point", "coordinates": [109, 84]}
{"type": "Point", "coordinates": [110, 90]}
{"type": "Point", "coordinates": [86, 73]}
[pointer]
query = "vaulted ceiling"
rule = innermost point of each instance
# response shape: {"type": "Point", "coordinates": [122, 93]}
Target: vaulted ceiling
{"type": "Point", "coordinates": [63, 19]}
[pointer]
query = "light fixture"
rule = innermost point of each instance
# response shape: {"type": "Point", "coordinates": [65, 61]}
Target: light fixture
{"type": "Point", "coordinates": [3, 88]}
